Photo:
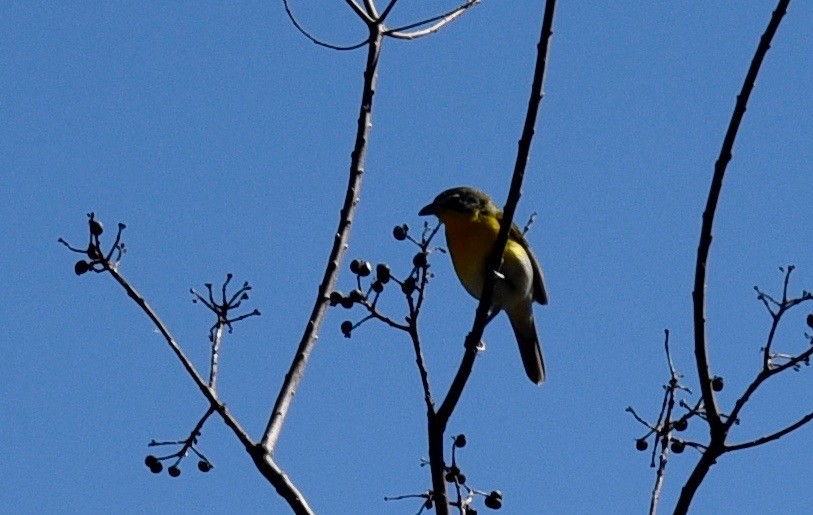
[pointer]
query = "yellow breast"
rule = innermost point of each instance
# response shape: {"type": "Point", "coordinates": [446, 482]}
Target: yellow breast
{"type": "Point", "coordinates": [470, 239]}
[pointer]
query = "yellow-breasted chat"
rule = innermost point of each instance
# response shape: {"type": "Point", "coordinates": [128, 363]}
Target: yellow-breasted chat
{"type": "Point", "coordinates": [472, 221]}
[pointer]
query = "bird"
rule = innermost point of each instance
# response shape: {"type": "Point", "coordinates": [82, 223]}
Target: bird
{"type": "Point", "coordinates": [472, 221]}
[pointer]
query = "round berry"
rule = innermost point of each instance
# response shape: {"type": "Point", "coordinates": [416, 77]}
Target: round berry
{"type": "Point", "coordinates": [336, 297]}
{"type": "Point", "coordinates": [641, 444]}
{"type": "Point", "coordinates": [356, 295]}
{"type": "Point", "coordinates": [96, 228]}
{"type": "Point", "coordinates": [157, 468]}
{"type": "Point", "coordinates": [365, 269]}
{"type": "Point", "coordinates": [460, 441]}
{"type": "Point", "coordinates": [93, 252]}
{"type": "Point", "coordinates": [377, 286]}
{"type": "Point", "coordinates": [81, 267]}
{"type": "Point", "coordinates": [681, 424]}
{"type": "Point", "coordinates": [204, 466]}
{"type": "Point", "coordinates": [382, 273]}
{"type": "Point", "coordinates": [355, 266]}
{"type": "Point", "coordinates": [347, 303]}
{"type": "Point", "coordinates": [678, 446]}
{"type": "Point", "coordinates": [494, 500]}
{"type": "Point", "coordinates": [399, 232]}
{"type": "Point", "coordinates": [419, 260]}
{"type": "Point", "coordinates": [717, 384]}
{"type": "Point", "coordinates": [347, 328]}
{"type": "Point", "coordinates": [174, 471]}
{"type": "Point", "coordinates": [810, 320]}
{"type": "Point", "coordinates": [409, 286]}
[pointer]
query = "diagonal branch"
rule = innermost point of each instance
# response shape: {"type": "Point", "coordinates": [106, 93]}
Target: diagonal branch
{"type": "Point", "coordinates": [773, 436]}
{"type": "Point", "coordinates": [441, 19]}
{"type": "Point", "coordinates": [361, 13]}
{"type": "Point", "coordinates": [337, 252]}
{"type": "Point", "coordinates": [481, 317]}
{"type": "Point", "coordinates": [699, 293]}
{"type": "Point", "coordinates": [267, 467]}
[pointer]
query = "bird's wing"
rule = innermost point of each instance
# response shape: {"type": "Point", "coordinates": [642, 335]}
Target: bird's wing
{"type": "Point", "coordinates": [540, 291]}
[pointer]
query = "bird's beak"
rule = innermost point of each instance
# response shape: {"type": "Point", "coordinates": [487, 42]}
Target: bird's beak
{"type": "Point", "coordinates": [430, 209]}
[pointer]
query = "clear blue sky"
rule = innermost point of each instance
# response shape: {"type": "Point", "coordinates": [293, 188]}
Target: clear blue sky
{"type": "Point", "coordinates": [222, 138]}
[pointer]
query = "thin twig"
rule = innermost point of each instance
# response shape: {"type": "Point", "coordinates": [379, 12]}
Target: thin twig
{"type": "Point", "coordinates": [217, 337]}
{"type": "Point", "coordinates": [773, 436]}
{"type": "Point", "coordinates": [361, 13]}
{"type": "Point", "coordinates": [441, 19]}
{"type": "Point", "coordinates": [664, 421]}
{"type": "Point", "coordinates": [387, 10]}
{"type": "Point", "coordinates": [319, 42]}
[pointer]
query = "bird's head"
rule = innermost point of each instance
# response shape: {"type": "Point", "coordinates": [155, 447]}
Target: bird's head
{"type": "Point", "coordinates": [462, 200]}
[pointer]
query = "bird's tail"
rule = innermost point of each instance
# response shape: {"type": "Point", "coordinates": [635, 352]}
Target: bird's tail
{"type": "Point", "coordinates": [529, 348]}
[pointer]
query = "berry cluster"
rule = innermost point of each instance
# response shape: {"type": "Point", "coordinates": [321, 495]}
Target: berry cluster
{"type": "Point", "coordinates": [154, 464]}
{"type": "Point", "coordinates": [381, 276]}
{"type": "Point", "coordinates": [465, 494]}
{"type": "Point", "coordinates": [97, 260]}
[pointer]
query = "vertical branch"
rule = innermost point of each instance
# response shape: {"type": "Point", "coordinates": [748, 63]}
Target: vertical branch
{"type": "Point", "coordinates": [340, 241]}
{"type": "Point", "coordinates": [438, 423]}
{"type": "Point", "coordinates": [699, 293]}
{"type": "Point", "coordinates": [481, 317]}
{"type": "Point", "coordinates": [718, 430]}
{"type": "Point", "coordinates": [665, 424]}
{"type": "Point", "coordinates": [217, 337]}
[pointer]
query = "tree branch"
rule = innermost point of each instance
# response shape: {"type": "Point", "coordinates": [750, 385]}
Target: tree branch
{"type": "Point", "coordinates": [699, 294]}
{"type": "Point", "coordinates": [481, 317]}
{"type": "Point", "coordinates": [270, 470]}
{"type": "Point", "coordinates": [441, 19]}
{"type": "Point", "coordinates": [773, 436]}
{"type": "Point", "coordinates": [340, 243]}
{"type": "Point", "coordinates": [438, 423]}
{"type": "Point", "coordinates": [717, 429]}
{"type": "Point", "coordinates": [319, 42]}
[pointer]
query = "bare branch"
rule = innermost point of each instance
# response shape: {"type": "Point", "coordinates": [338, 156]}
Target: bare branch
{"type": "Point", "coordinates": [367, 18]}
{"type": "Point", "coordinates": [664, 421]}
{"type": "Point", "coordinates": [319, 42]}
{"type": "Point", "coordinates": [372, 13]}
{"type": "Point", "coordinates": [270, 470]}
{"type": "Point", "coordinates": [773, 436]}
{"type": "Point", "coordinates": [337, 252]}
{"type": "Point", "coordinates": [476, 334]}
{"type": "Point", "coordinates": [387, 11]}
{"type": "Point", "coordinates": [438, 423]}
{"type": "Point", "coordinates": [717, 429]}
{"type": "Point", "coordinates": [699, 294]}
{"type": "Point", "coordinates": [441, 19]}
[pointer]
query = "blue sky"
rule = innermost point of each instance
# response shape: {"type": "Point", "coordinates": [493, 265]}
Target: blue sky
{"type": "Point", "coordinates": [222, 138]}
